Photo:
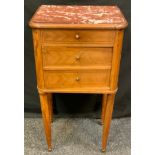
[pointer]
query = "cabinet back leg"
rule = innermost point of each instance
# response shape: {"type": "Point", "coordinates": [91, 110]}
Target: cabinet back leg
{"type": "Point", "coordinates": [104, 104]}
{"type": "Point", "coordinates": [50, 100]}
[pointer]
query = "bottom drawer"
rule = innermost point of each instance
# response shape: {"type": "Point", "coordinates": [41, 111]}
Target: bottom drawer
{"type": "Point", "coordinates": [76, 79]}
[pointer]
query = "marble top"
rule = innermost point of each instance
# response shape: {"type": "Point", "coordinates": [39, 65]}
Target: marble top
{"type": "Point", "coordinates": [69, 14]}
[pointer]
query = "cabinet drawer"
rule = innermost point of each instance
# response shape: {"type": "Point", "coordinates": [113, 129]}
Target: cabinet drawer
{"type": "Point", "coordinates": [77, 36]}
{"type": "Point", "coordinates": [76, 79]}
{"type": "Point", "coordinates": [69, 56]}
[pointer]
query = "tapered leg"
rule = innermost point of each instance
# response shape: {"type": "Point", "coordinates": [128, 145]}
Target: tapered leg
{"type": "Point", "coordinates": [107, 119]}
{"type": "Point", "coordinates": [104, 104]}
{"type": "Point", "coordinates": [46, 114]}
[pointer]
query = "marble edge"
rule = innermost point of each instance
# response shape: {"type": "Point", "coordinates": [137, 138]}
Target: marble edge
{"type": "Point", "coordinates": [78, 26]}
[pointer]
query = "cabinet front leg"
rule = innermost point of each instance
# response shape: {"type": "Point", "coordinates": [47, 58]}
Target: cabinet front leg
{"type": "Point", "coordinates": [46, 114]}
{"type": "Point", "coordinates": [107, 120]}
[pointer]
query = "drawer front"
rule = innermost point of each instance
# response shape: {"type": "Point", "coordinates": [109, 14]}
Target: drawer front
{"type": "Point", "coordinates": [77, 36]}
{"type": "Point", "coordinates": [76, 79]}
{"type": "Point", "coordinates": [69, 56]}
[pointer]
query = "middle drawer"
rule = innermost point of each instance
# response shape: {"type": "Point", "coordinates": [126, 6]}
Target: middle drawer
{"type": "Point", "coordinates": [79, 56]}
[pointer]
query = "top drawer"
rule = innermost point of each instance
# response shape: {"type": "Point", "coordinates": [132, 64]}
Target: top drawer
{"type": "Point", "coordinates": [77, 36]}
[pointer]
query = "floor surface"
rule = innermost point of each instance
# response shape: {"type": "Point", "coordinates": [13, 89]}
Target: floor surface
{"type": "Point", "coordinates": [77, 136]}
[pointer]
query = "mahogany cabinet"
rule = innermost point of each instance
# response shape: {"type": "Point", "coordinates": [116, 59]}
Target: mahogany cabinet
{"type": "Point", "coordinates": [77, 50]}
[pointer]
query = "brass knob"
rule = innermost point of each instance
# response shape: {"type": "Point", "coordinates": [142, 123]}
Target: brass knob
{"type": "Point", "coordinates": [77, 36]}
{"type": "Point", "coordinates": [77, 79]}
{"type": "Point", "coordinates": [77, 57]}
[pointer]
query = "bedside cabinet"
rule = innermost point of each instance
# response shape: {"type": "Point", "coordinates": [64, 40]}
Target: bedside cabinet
{"type": "Point", "coordinates": [77, 50]}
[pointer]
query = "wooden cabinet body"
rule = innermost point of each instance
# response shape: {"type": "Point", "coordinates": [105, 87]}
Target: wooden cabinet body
{"type": "Point", "coordinates": [77, 52]}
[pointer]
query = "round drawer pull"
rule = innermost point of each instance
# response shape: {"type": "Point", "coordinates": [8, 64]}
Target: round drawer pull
{"type": "Point", "coordinates": [77, 36]}
{"type": "Point", "coordinates": [77, 57]}
{"type": "Point", "coordinates": [77, 79]}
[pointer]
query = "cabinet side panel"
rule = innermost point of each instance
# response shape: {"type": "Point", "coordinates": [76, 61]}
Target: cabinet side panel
{"type": "Point", "coordinates": [38, 57]}
{"type": "Point", "coordinates": [116, 59]}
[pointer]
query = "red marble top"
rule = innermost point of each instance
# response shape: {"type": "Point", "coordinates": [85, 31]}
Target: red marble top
{"type": "Point", "coordinates": [50, 15]}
